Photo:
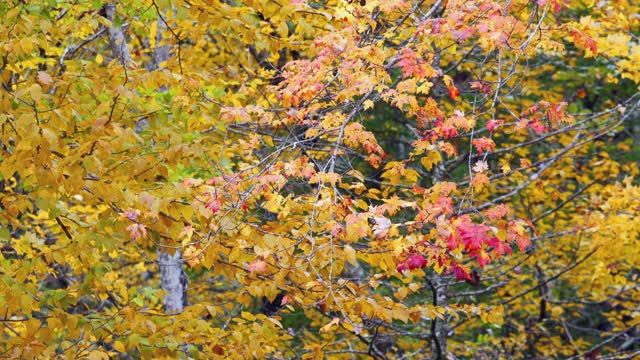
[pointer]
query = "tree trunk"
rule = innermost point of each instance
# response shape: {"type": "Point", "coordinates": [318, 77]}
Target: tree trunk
{"type": "Point", "coordinates": [440, 327]}
{"type": "Point", "coordinates": [173, 277]}
{"type": "Point", "coordinates": [117, 40]}
{"type": "Point", "coordinates": [174, 281]}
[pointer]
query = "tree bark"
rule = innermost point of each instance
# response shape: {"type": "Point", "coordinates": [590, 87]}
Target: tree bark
{"type": "Point", "coordinates": [173, 280]}
{"type": "Point", "coordinates": [173, 277]}
{"type": "Point", "coordinates": [440, 327]}
{"type": "Point", "coordinates": [118, 42]}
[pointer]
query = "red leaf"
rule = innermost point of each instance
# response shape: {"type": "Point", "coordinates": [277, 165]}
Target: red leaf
{"type": "Point", "coordinates": [493, 124]}
{"type": "Point", "coordinates": [454, 93]}
{"type": "Point", "coordinates": [483, 144]}
{"type": "Point", "coordinates": [517, 233]}
{"type": "Point", "coordinates": [537, 126]}
{"type": "Point", "coordinates": [498, 212]}
{"type": "Point", "coordinates": [499, 247]}
{"type": "Point", "coordinates": [416, 261]}
{"type": "Point", "coordinates": [460, 272]}
{"type": "Point", "coordinates": [584, 41]}
{"type": "Point", "coordinates": [473, 235]}
{"type": "Point", "coordinates": [213, 205]}
{"type": "Point", "coordinates": [483, 258]}
{"type": "Point", "coordinates": [483, 86]}
{"type": "Point", "coordinates": [453, 242]}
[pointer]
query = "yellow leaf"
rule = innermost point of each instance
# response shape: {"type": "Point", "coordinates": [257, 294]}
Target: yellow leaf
{"type": "Point", "coordinates": [248, 316]}
{"type": "Point", "coordinates": [119, 346]}
{"type": "Point", "coordinates": [330, 325]}
{"type": "Point", "coordinates": [36, 92]}
{"type": "Point", "coordinates": [402, 293]}
{"type": "Point", "coordinates": [153, 33]}
{"type": "Point", "coordinates": [368, 104]}
{"type": "Point", "coordinates": [276, 322]}
{"type": "Point", "coordinates": [350, 254]}
{"type": "Point", "coordinates": [401, 313]}
{"type": "Point", "coordinates": [98, 355]}
{"type": "Point", "coordinates": [432, 158]}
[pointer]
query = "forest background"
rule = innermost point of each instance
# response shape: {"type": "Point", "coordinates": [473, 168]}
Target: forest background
{"type": "Point", "coordinates": [284, 179]}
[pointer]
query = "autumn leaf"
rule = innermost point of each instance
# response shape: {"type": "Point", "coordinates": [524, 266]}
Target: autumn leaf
{"type": "Point", "coordinates": [416, 261]}
{"type": "Point", "coordinates": [483, 144]}
{"type": "Point", "coordinates": [480, 166]}
{"type": "Point", "coordinates": [257, 266]}
{"type": "Point", "coordinates": [460, 272]}
{"type": "Point", "coordinates": [44, 79]}
{"type": "Point", "coordinates": [473, 235]}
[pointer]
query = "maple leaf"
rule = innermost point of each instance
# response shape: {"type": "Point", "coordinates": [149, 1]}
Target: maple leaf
{"type": "Point", "coordinates": [483, 144]}
{"type": "Point", "coordinates": [462, 34]}
{"type": "Point", "coordinates": [449, 149]}
{"type": "Point", "coordinates": [357, 226]}
{"type": "Point", "coordinates": [483, 86]}
{"type": "Point", "coordinates": [537, 126]}
{"type": "Point", "coordinates": [416, 261]}
{"type": "Point", "coordinates": [460, 121]}
{"type": "Point", "coordinates": [448, 131]}
{"type": "Point", "coordinates": [375, 160]}
{"type": "Point", "coordinates": [192, 256]}
{"type": "Point", "coordinates": [413, 65]}
{"type": "Point", "coordinates": [517, 233]}
{"type": "Point", "coordinates": [555, 113]}
{"type": "Point", "coordinates": [498, 212]}
{"type": "Point", "coordinates": [499, 247]}
{"type": "Point", "coordinates": [584, 41]}
{"type": "Point", "coordinates": [480, 166]}
{"type": "Point", "coordinates": [330, 178]}
{"type": "Point", "coordinates": [191, 182]}
{"type": "Point", "coordinates": [582, 93]}
{"type": "Point", "coordinates": [454, 93]}
{"type": "Point", "coordinates": [382, 227]}
{"type": "Point", "coordinates": [531, 110]}
{"type": "Point", "coordinates": [299, 167]}
{"type": "Point", "coordinates": [453, 242]}
{"type": "Point", "coordinates": [557, 5]}
{"type": "Point", "coordinates": [494, 124]}
{"type": "Point", "coordinates": [483, 258]}
{"type": "Point", "coordinates": [433, 157]}
{"type": "Point", "coordinates": [473, 235]}
{"type": "Point", "coordinates": [459, 271]}
{"type": "Point", "coordinates": [479, 181]}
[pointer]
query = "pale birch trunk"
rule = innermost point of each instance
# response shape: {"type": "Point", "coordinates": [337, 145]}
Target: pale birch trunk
{"type": "Point", "coordinates": [173, 278]}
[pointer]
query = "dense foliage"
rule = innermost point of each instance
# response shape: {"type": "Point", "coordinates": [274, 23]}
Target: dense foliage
{"type": "Point", "coordinates": [388, 179]}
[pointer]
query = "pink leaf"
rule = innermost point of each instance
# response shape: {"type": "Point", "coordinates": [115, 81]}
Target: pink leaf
{"type": "Point", "coordinates": [416, 261]}
{"type": "Point", "coordinates": [258, 265]}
